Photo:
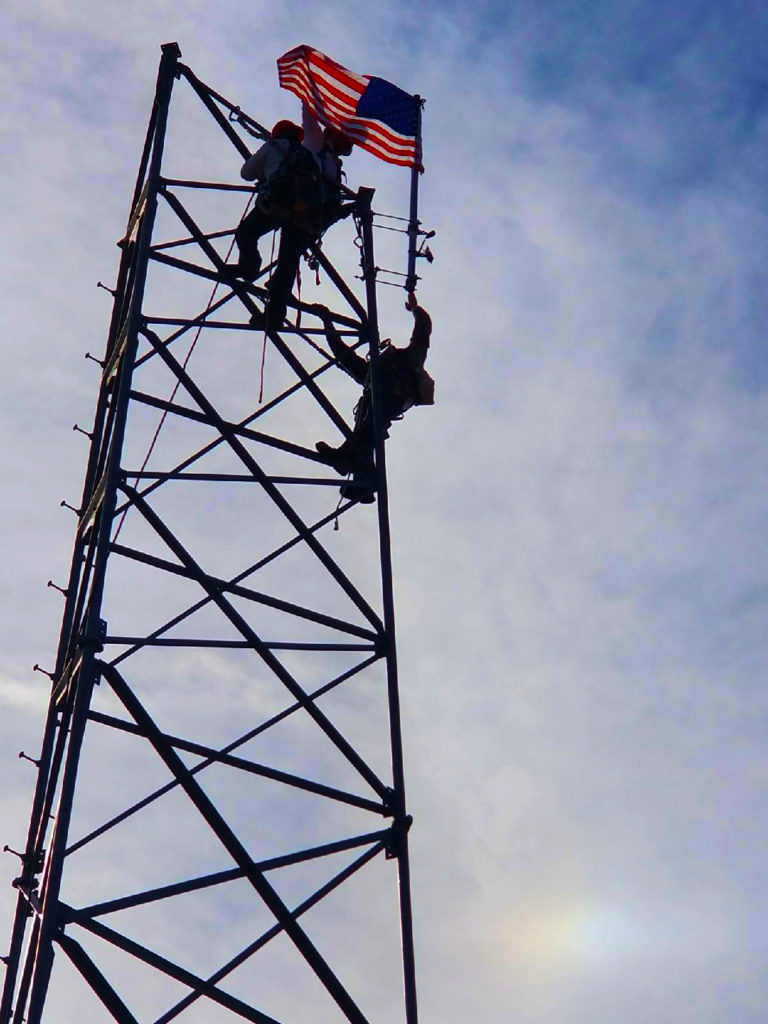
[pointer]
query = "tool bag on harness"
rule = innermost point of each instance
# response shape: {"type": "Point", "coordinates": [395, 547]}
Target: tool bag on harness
{"type": "Point", "coordinates": [294, 192]}
{"type": "Point", "coordinates": [425, 388]}
{"type": "Point", "coordinates": [419, 389]}
{"type": "Point", "coordinates": [403, 384]}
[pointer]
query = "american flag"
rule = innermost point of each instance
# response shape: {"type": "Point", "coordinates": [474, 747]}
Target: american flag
{"type": "Point", "coordinates": [375, 114]}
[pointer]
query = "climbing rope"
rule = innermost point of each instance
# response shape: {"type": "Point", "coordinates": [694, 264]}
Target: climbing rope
{"type": "Point", "coordinates": [298, 294]}
{"type": "Point", "coordinates": [188, 356]}
{"type": "Point", "coordinates": [266, 314]}
{"type": "Point", "coordinates": [336, 512]}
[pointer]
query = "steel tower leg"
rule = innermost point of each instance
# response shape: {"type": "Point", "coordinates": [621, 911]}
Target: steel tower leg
{"type": "Point", "coordinates": [402, 821]}
{"type": "Point", "coordinates": [50, 918]}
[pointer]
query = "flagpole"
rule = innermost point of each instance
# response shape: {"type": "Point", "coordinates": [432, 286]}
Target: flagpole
{"type": "Point", "coordinates": [413, 216]}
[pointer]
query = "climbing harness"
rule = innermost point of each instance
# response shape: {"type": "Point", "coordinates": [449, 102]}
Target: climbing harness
{"type": "Point", "coordinates": [295, 191]}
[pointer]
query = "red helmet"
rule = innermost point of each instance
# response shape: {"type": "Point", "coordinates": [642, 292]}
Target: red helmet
{"type": "Point", "coordinates": [287, 130]}
{"type": "Point", "coordinates": [338, 141]}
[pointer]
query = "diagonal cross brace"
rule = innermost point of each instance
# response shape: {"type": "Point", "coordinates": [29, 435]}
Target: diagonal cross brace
{"type": "Point", "coordinates": [226, 587]}
{"type": "Point", "coordinates": [242, 575]}
{"type": "Point", "coordinates": [197, 321]}
{"type": "Point", "coordinates": [258, 644]}
{"type": "Point", "coordinates": [252, 435]}
{"type": "Point", "coordinates": [232, 874]}
{"type": "Point", "coordinates": [274, 774]}
{"type": "Point", "coordinates": [96, 980]}
{"type": "Point", "coordinates": [168, 967]}
{"type": "Point", "coordinates": [196, 456]}
{"type": "Point", "coordinates": [272, 932]}
{"type": "Point", "coordinates": [339, 281]}
{"type": "Point", "coordinates": [242, 291]}
{"type": "Point", "coordinates": [245, 456]}
{"type": "Point", "coordinates": [207, 762]}
{"type": "Point", "coordinates": [206, 94]}
{"type": "Point", "coordinates": [231, 843]}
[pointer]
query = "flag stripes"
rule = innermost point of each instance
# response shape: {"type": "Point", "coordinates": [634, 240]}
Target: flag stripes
{"type": "Point", "coordinates": [369, 110]}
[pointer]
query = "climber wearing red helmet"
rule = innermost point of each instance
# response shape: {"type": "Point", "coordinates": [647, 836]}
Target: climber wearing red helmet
{"type": "Point", "coordinates": [337, 141]}
{"type": "Point", "coordinates": [287, 130]}
{"type": "Point", "coordinates": [298, 192]}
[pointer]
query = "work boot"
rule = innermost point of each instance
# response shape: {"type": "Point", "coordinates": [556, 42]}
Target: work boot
{"type": "Point", "coordinates": [275, 312]}
{"type": "Point", "coordinates": [341, 459]}
{"type": "Point", "coordinates": [248, 267]}
{"type": "Point", "coordinates": [267, 320]}
{"type": "Point", "coordinates": [358, 489]}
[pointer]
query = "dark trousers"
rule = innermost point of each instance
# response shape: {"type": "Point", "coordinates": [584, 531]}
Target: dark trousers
{"type": "Point", "coordinates": [361, 445]}
{"type": "Point", "coordinates": [293, 244]}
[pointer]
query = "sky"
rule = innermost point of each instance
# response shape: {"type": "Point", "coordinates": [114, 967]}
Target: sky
{"type": "Point", "coordinates": [578, 523]}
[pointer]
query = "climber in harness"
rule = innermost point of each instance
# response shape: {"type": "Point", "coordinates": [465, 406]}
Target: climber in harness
{"type": "Point", "coordinates": [299, 177]}
{"type": "Point", "coordinates": [404, 383]}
